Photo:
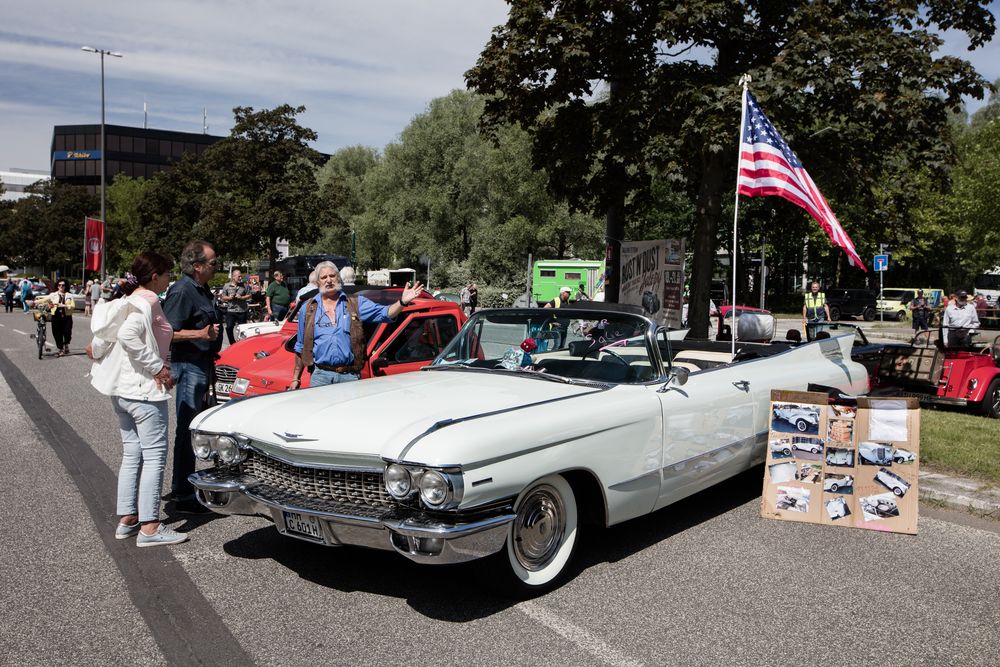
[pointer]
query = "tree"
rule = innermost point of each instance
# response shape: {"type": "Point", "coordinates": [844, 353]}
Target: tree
{"type": "Point", "coordinates": [867, 70]}
{"type": "Point", "coordinates": [340, 184]}
{"type": "Point", "coordinates": [46, 228]}
{"type": "Point", "coordinates": [262, 184]}
{"type": "Point", "coordinates": [990, 111]}
{"type": "Point", "coordinates": [126, 232]}
{"type": "Point", "coordinates": [476, 208]}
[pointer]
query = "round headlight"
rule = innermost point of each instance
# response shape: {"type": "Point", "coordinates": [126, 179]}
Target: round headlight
{"type": "Point", "coordinates": [229, 451]}
{"type": "Point", "coordinates": [201, 443]}
{"type": "Point", "coordinates": [397, 481]}
{"type": "Point", "coordinates": [433, 488]}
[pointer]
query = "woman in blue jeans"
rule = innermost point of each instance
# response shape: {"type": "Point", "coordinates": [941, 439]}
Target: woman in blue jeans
{"type": "Point", "coordinates": [132, 343]}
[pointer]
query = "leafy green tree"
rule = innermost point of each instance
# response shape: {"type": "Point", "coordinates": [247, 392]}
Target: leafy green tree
{"type": "Point", "coordinates": [46, 229]}
{"type": "Point", "coordinates": [262, 184]}
{"type": "Point", "coordinates": [477, 208]}
{"type": "Point", "coordinates": [126, 233]}
{"type": "Point", "coordinates": [867, 70]}
{"type": "Point", "coordinates": [340, 183]}
{"type": "Point", "coordinates": [990, 111]}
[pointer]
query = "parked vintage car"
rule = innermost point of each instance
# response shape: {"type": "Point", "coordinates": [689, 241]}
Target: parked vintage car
{"type": "Point", "coordinates": [903, 456]}
{"type": "Point", "coordinates": [837, 483]}
{"type": "Point", "coordinates": [264, 364]}
{"type": "Point", "coordinates": [928, 369]}
{"type": "Point", "coordinates": [529, 425]}
{"type": "Point", "coordinates": [807, 444]}
{"type": "Point", "coordinates": [892, 481]}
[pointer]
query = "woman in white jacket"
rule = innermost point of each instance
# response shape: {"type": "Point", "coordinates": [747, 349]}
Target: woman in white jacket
{"type": "Point", "coordinates": [132, 349]}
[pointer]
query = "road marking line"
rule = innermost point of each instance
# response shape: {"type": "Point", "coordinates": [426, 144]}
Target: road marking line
{"type": "Point", "coordinates": [23, 333]}
{"type": "Point", "coordinates": [579, 636]}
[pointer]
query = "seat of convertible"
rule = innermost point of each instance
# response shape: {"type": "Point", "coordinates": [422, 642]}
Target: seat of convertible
{"type": "Point", "coordinates": [587, 369]}
{"type": "Point", "coordinates": [700, 360]}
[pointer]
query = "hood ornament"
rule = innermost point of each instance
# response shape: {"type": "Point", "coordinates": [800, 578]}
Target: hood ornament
{"type": "Point", "coordinates": [293, 437]}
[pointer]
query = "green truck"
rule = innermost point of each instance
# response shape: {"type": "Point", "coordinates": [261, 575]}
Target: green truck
{"type": "Point", "coordinates": [549, 275]}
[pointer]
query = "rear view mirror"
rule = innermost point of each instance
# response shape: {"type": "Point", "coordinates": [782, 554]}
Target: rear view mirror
{"type": "Point", "coordinates": [679, 376]}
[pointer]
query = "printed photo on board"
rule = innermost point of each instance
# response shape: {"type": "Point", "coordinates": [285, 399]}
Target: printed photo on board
{"type": "Point", "coordinates": [840, 457]}
{"type": "Point", "coordinates": [809, 472]}
{"type": "Point", "coordinates": [842, 411]}
{"type": "Point", "coordinates": [782, 472]}
{"type": "Point", "coordinates": [792, 498]}
{"type": "Point", "coordinates": [807, 447]}
{"type": "Point", "coordinates": [882, 506]}
{"type": "Point", "coordinates": [795, 418]}
{"type": "Point", "coordinates": [892, 481]}
{"type": "Point", "coordinates": [838, 483]}
{"type": "Point", "coordinates": [903, 456]}
{"type": "Point", "coordinates": [841, 430]}
{"type": "Point", "coordinates": [875, 454]}
{"type": "Point", "coordinates": [837, 508]}
{"type": "Point", "coordinates": [780, 449]}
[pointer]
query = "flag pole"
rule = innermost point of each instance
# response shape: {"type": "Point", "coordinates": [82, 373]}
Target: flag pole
{"type": "Point", "coordinates": [745, 82]}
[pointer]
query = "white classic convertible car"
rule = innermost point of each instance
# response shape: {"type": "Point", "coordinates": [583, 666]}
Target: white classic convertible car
{"type": "Point", "coordinates": [530, 424]}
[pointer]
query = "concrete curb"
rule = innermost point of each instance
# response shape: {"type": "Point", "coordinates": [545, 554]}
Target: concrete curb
{"type": "Point", "coordinates": [961, 494]}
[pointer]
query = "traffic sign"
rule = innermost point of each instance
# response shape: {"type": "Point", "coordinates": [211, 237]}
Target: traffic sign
{"type": "Point", "coordinates": [881, 262]}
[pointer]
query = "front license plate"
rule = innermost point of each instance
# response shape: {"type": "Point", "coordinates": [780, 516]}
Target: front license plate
{"type": "Point", "coordinates": [223, 387]}
{"type": "Point", "coordinates": [303, 524]}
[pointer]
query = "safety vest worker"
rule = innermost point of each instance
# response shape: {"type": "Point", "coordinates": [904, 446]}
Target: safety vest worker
{"type": "Point", "coordinates": [815, 308]}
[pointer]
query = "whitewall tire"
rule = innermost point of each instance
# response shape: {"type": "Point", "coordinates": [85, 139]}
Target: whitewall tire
{"type": "Point", "coordinates": [543, 535]}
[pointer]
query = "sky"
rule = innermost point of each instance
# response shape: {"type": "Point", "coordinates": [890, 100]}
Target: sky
{"type": "Point", "coordinates": [362, 68]}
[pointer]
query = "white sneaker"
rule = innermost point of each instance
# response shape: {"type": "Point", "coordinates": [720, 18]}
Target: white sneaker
{"type": "Point", "coordinates": [163, 535]}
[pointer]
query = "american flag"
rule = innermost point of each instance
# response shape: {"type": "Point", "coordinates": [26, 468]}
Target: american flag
{"type": "Point", "coordinates": [769, 167]}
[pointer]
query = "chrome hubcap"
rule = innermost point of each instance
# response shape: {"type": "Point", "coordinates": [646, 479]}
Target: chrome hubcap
{"type": "Point", "coordinates": [539, 528]}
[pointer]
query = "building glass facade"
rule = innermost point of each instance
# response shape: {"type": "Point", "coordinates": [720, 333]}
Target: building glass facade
{"type": "Point", "coordinates": [134, 151]}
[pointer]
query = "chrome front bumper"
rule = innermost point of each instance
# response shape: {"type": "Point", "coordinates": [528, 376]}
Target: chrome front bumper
{"type": "Point", "coordinates": [419, 538]}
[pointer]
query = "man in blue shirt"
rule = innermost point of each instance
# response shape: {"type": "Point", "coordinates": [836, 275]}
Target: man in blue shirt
{"type": "Point", "coordinates": [336, 342]}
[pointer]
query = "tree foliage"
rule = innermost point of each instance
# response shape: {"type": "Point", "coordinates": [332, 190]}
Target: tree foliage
{"type": "Point", "coordinates": [866, 70]}
{"type": "Point", "coordinates": [476, 208]}
{"type": "Point", "coordinates": [46, 228]}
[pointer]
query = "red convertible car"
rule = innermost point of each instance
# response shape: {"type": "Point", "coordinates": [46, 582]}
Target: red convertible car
{"type": "Point", "coordinates": [264, 364]}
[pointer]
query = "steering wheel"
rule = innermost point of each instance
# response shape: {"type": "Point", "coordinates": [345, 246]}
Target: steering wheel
{"type": "Point", "coordinates": [616, 356]}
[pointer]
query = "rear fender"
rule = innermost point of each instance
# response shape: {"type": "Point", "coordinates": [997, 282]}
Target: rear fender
{"type": "Point", "coordinates": [984, 376]}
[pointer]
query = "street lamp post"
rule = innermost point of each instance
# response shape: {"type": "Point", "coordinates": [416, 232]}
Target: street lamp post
{"type": "Point", "coordinates": [104, 170]}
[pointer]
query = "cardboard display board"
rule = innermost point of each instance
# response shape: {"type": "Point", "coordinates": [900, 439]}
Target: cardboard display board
{"type": "Point", "coordinates": [843, 465]}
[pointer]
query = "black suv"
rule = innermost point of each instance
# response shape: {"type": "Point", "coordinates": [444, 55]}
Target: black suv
{"type": "Point", "coordinates": [851, 303]}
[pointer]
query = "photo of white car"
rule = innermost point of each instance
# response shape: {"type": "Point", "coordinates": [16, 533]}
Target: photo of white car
{"type": "Point", "coordinates": [875, 454]}
{"type": "Point", "coordinates": [837, 456]}
{"type": "Point", "coordinates": [837, 508]}
{"type": "Point", "coordinates": [809, 473]}
{"type": "Point", "coordinates": [811, 445]}
{"type": "Point", "coordinates": [838, 483]}
{"type": "Point", "coordinates": [903, 456]}
{"type": "Point", "coordinates": [892, 481]}
{"type": "Point", "coordinates": [882, 506]}
{"type": "Point", "coordinates": [805, 419]}
{"type": "Point", "coordinates": [792, 498]}
{"type": "Point", "coordinates": [780, 448]}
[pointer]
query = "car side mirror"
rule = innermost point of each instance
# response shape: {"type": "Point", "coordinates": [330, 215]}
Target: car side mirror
{"type": "Point", "coordinates": [678, 376]}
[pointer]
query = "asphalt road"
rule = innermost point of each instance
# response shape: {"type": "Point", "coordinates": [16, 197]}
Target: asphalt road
{"type": "Point", "coordinates": [706, 581]}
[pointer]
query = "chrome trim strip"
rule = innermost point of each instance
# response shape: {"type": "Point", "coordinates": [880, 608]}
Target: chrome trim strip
{"type": "Point", "coordinates": [448, 422]}
{"type": "Point", "coordinates": [619, 485]}
{"type": "Point", "coordinates": [738, 443]}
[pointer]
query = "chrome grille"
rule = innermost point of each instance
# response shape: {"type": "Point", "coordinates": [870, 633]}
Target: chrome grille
{"type": "Point", "coordinates": [225, 374]}
{"type": "Point", "coordinates": [349, 487]}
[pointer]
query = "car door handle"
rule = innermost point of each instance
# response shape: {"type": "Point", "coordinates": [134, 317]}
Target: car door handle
{"type": "Point", "coordinates": [742, 385]}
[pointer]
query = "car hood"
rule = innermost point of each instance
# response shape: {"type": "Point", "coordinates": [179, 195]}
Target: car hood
{"type": "Point", "coordinates": [362, 422]}
{"type": "Point", "coordinates": [242, 352]}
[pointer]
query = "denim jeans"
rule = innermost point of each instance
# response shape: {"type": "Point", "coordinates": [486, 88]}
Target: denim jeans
{"type": "Point", "coordinates": [190, 398]}
{"type": "Point", "coordinates": [321, 377]}
{"type": "Point", "coordinates": [143, 426]}
{"type": "Point", "coordinates": [278, 312]}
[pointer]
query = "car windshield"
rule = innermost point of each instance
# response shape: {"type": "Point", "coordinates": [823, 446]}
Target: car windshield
{"type": "Point", "coordinates": [562, 344]}
{"type": "Point", "coordinates": [990, 281]}
{"type": "Point", "coordinates": [897, 294]}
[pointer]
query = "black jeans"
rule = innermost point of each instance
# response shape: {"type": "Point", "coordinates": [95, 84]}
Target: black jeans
{"type": "Point", "coordinates": [232, 319]}
{"type": "Point", "coordinates": [62, 331]}
{"type": "Point", "coordinates": [8, 302]}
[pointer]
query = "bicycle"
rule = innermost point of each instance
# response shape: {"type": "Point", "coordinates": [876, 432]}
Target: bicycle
{"type": "Point", "coordinates": [41, 317]}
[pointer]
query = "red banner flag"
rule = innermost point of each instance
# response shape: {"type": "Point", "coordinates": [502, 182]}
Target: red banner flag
{"type": "Point", "coordinates": [94, 244]}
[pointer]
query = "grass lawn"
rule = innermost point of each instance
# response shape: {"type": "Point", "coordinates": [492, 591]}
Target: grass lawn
{"type": "Point", "coordinates": [969, 445]}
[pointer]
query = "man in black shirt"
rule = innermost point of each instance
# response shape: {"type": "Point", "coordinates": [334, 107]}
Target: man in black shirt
{"type": "Point", "coordinates": [190, 309]}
